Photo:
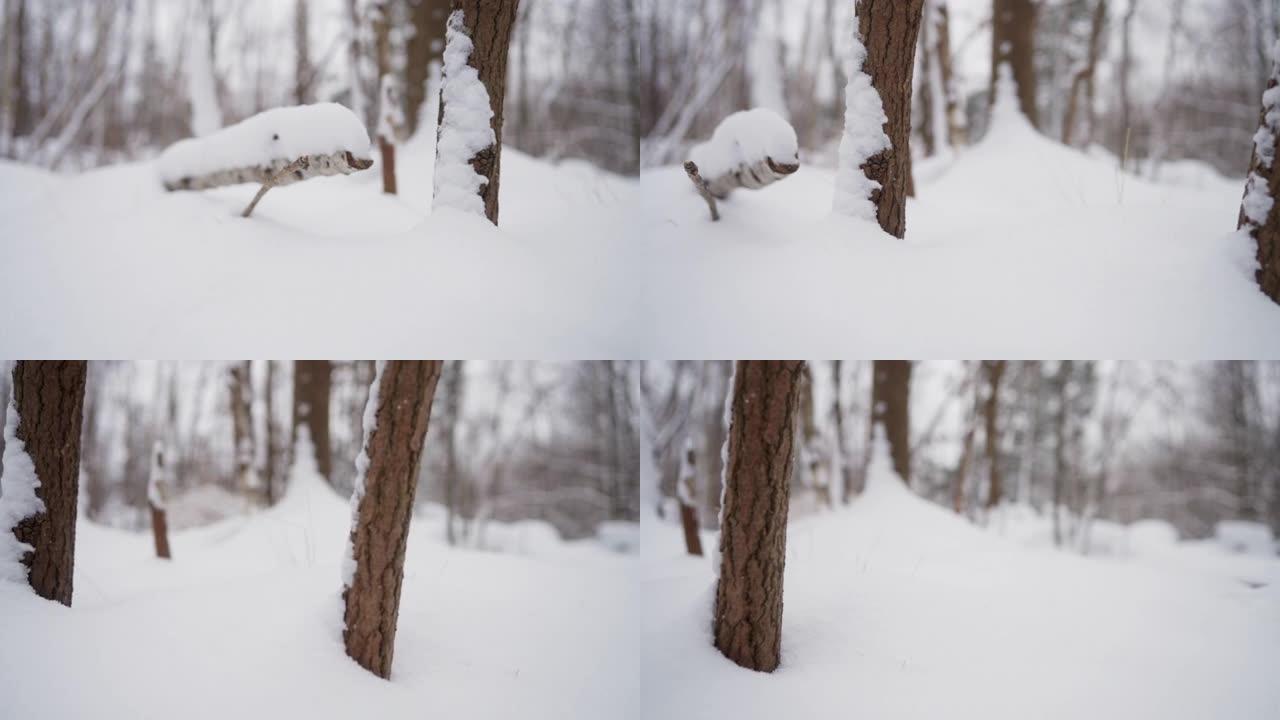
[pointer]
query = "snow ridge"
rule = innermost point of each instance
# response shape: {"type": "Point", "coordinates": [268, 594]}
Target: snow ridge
{"type": "Point", "coordinates": [466, 127]}
{"type": "Point", "coordinates": [18, 499]}
{"type": "Point", "coordinates": [863, 139]}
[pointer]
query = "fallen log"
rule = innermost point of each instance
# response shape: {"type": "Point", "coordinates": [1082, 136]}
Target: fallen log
{"type": "Point", "coordinates": [274, 148]}
{"type": "Point", "coordinates": [749, 150]}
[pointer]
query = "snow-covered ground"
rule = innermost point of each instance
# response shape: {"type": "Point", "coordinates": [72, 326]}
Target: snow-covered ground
{"type": "Point", "coordinates": [107, 264]}
{"type": "Point", "coordinates": [1018, 248]}
{"type": "Point", "coordinates": [896, 608]}
{"type": "Point", "coordinates": [246, 622]}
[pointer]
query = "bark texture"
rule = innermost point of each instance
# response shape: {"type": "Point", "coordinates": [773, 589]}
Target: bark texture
{"type": "Point", "coordinates": [747, 625]}
{"type": "Point", "coordinates": [311, 383]}
{"type": "Point", "coordinates": [1013, 42]}
{"type": "Point", "coordinates": [488, 23]}
{"type": "Point", "coordinates": [381, 530]}
{"type": "Point", "coordinates": [890, 31]}
{"type": "Point", "coordinates": [1265, 177]}
{"type": "Point", "coordinates": [49, 398]}
{"type": "Point", "coordinates": [277, 173]}
{"type": "Point", "coordinates": [890, 409]}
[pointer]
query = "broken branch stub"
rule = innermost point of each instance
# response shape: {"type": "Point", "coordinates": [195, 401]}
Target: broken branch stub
{"type": "Point", "coordinates": [691, 168]}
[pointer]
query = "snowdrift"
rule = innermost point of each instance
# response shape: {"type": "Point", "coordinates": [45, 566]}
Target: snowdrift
{"type": "Point", "coordinates": [897, 608]}
{"type": "Point", "coordinates": [248, 617]}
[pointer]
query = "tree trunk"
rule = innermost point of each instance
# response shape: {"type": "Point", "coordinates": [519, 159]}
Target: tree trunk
{"type": "Point", "coordinates": [303, 74]}
{"type": "Point", "coordinates": [994, 370]}
{"type": "Point", "coordinates": [1259, 212]}
{"type": "Point", "coordinates": [966, 452]}
{"type": "Point", "coordinates": [1083, 79]}
{"type": "Point", "coordinates": [748, 611]}
{"type": "Point", "coordinates": [488, 23]}
{"type": "Point", "coordinates": [889, 29]}
{"type": "Point", "coordinates": [269, 468]}
{"type": "Point", "coordinates": [1013, 42]}
{"type": "Point", "coordinates": [425, 54]}
{"type": "Point", "coordinates": [355, 79]}
{"type": "Point", "coordinates": [241, 388]}
{"type": "Point", "coordinates": [390, 112]}
{"type": "Point", "coordinates": [713, 439]}
{"type": "Point", "coordinates": [891, 409]}
{"type": "Point", "coordinates": [48, 397]}
{"type": "Point", "coordinates": [311, 380]}
{"type": "Point", "coordinates": [383, 506]}
{"type": "Point", "coordinates": [685, 492]}
{"type": "Point", "coordinates": [157, 494]}
{"type": "Point", "coordinates": [956, 127]}
{"type": "Point", "coordinates": [453, 389]}
{"type": "Point", "coordinates": [837, 418]}
{"type": "Point", "coordinates": [22, 120]}
{"type": "Point", "coordinates": [1060, 447]}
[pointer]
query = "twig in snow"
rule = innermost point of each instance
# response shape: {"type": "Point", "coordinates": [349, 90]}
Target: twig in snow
{"type": "Point", "coordinates": [695, 177]}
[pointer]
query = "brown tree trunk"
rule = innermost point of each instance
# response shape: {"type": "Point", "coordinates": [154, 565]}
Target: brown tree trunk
{"type": "Point", "coordinates": [889, 29]}
{"type": "Point", "coordinates": [748, 613]}
{"type": "Point", "coordinates": [966, 453]}
{"type": "Point", "coordinates": [685, 492]}
{"type": "Point", "coordinates": [1264, 179]}
{"type": "Point", "coordinates": [1083, 79]}
{"type": "Point", "coordinates": [955, 127]}
{"type": "Point", "coordinates": [891, 410]}
{"type": "Point", "coordinates": [488, 23]}
{"type": "Point", "coordinates": [388, 96]}
{"type": "Point", "coordinates": [425, 50]}
{"type": "Point", "coordinates": [22, 120]}
{"type": "Point", "coordinates": [994, 370]}
{"type": "Point", "coordinates": [311, 381]}
{"type": "Point", "coordinates": [453, 389]}
{"type": "Point", "coordinates": [303, 75]}
{"type": "Point", "coordinates": [49, 399]}
{"type": "Point", "coordinates": [1013, 42]}
{"type": "Point", "coordinates": [383, 508]}
{"type": "Point", "coordinates": [269, 468]}
{"type": "Point", "coordinates": [156, 490]}
{"type": "Point", "coordinates": [241, 389]}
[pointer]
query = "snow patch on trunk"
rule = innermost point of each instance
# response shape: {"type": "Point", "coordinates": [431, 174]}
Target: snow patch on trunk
{"type": "Point", "coordinates": [466, 128]}
{"type": "Point", "coordinates": [370, 423]}
{"type": "Point", "coordinates": [18, 499]}
{"type": "Point", "coordinates": [863, 139]}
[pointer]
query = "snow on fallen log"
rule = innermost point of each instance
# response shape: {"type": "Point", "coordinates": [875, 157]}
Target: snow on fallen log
{"type": "Point", "coordinates": [277, 147]}
{"type": "Point", "coordinates": [750, 149]}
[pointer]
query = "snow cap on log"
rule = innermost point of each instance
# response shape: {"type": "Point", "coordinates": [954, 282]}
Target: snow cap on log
{"type": "Point", "coordinates": [750, 149]}
{"type": "Point", "coordinates": [256, 148]}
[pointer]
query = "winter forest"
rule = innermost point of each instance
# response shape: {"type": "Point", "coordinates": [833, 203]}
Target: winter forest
{"type": "Point", "coordinates": [590, 511]}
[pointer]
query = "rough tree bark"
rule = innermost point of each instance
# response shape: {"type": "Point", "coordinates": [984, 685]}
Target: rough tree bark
{"type": "Point", "coordinates": [1013, 42]}
{"type": "Point", "coordinates": [1083, 79]}
{"type": "Point", "coordinates": [1259, 211]}
{"type": "Point", "coordinates": [383, 506]}
{"type": "Point", "coordinates": [488, 23]}
{"type": "Point", "coordinates": [157, 494]}
{"type": "Point", "coordinates": [425, 51]}
{"type": "Point", "coordinates": [889, 29]}
{"type": "Point", "coordinates": [241, 390]}
{"type": "Point", "coordinates": [994, 371]}
{"type": "Point", "coordinates": [49, 399]}
{"type": "Point", "coordinates": [890, 409]}
{"type": "Point", "coordinates": [685, 492]}
{"type": "Point", "coordinates": [747, 624]}
{"type": "Point", "coordinates": [311, 381]}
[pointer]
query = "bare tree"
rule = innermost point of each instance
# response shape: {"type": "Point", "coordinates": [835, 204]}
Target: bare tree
{"type": "Point", "coordinates": [39, 502]}
{"type": "Point", "coordinates": [382, 503]}
{"type": "Point", "coordinates": [747, 624]}
{"type": "Point", "coordinates": [685, 493]}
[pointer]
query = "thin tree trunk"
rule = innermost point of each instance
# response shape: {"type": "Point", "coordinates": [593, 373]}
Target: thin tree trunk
{"type": "Point", "coordinates": [891, 410]}
{"type": "Point", "coordinates": [311, 383]}
{"type": "Point", "coordinates": [241, 389]}
{"type": "Point", "coordinates": [355, 79]}
{"type": "Point", "coordinates": [390, 112]}
{"type": "Point", "coordinates": [157, 494]}
{"type": "Point", "coordinates": [488, 24]}
{"type": "Point", "coordinates": [747, 624]}
{"type": "Point", "coordinates": [48, 397]}
{"type": "Point", "coordinates": [889, 29]}
{"type": "Point", "coordinates": [382, 508]}
{"type": "Point", "coordinates": [22, 120]}
{"type": "Point", "coordinates": [453, 390]}
{"type": "Point", "coordinates": [269, 467]}
{"type": "Point", "coordinates": [685, 492]}
{"type": "Point", "coordinates": [303, 74]}
{"type": "Point", "coordinates": [1013, 42]}
{"type": "Point", "coordinates": [1083, 79]}
{"type": "Point", "coordinates": [966, 453]}
{"type": "Point", "coordinates": [994, 370]}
